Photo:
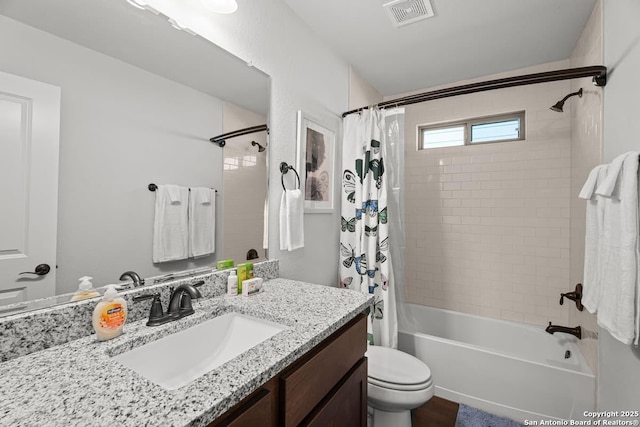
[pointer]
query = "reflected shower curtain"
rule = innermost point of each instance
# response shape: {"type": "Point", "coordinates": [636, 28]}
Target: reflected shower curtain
{"type": "Point", "coordinates": [365, 259]}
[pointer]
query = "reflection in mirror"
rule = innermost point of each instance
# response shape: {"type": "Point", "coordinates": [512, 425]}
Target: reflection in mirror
{"type": "Point", "coordinates": [98, 100]}
{"type": "Point", "coordinates": [245, 184]}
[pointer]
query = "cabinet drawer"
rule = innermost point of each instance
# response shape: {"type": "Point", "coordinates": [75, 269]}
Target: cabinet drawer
{"type": "Point", "coordinates": [308, 383]}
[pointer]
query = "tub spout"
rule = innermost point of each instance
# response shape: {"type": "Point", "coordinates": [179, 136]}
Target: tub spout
{"type": "Point", "coordinates": [552, 329]}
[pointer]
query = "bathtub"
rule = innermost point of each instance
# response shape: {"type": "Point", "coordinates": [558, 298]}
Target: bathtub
{"type": "Point", "coordinates": [506, 368]}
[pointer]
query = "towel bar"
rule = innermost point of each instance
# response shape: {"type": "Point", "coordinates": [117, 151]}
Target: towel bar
{"type": "Point", "coordinates": [284, 168]}
{"type": "Point", "coordinates": [153, 187]}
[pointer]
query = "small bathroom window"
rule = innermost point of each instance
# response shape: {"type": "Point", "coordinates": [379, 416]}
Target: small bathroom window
{"type": "Point", "coordinates": [482, 130]}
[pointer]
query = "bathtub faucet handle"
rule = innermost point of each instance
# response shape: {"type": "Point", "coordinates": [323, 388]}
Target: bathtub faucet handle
{"type": "Point", "coordinates": [576, 296]}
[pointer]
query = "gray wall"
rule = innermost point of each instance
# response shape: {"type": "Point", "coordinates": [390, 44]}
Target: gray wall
{"type": "Point", "coordinates": [121, 129]}
{"type": "Point", "coordinates": [619, 365]}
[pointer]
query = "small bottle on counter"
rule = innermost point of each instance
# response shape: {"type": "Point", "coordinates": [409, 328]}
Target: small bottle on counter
{"type": "Point", "coordinates": [85, 290]}
{"type": "Point", "coordinates": [232, 283]}
{"type": "Point", "coordinates": [110, 315]}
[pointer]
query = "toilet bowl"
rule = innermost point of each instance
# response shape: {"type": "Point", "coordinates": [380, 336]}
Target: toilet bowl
{"type": "Point", "coordinates": [397, 383]}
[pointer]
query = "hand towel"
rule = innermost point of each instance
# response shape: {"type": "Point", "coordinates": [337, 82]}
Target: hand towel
{"type": "Point", "coordinates": [611, 184]}
{"type": "Point", "coordinates": [292, 220]}
{"type": "Point", "coordinates": [592, 238]}
{"type": "Point", "coordinates": [265, 225]}
{"type": "Point", "coordinates": [202, 222]}
{"type": "Point", "coordinates": [170, 229]}
{"type": "Point", "coordinates": [618, 307]}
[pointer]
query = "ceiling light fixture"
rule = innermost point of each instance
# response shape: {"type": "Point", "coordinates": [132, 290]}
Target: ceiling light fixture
{"type": "Point", "coordinates": [220, 6]}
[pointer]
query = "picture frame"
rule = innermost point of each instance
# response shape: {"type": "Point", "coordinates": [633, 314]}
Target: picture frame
{"type": "Point", "coordinates": [316, 164]}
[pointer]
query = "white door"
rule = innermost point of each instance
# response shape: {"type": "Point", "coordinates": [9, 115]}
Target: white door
{"type": "Point", "coordinates": [29, 139]}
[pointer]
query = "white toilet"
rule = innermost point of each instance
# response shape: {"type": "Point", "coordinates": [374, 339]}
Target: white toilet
{"type": "Point", "coordinates": [397, 383]}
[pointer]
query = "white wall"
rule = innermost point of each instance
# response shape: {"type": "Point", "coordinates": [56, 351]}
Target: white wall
{"type": "Point", "coordinates": [307, 76]}
{"type": "Point", "coordinates": [361, 93]}
{"type": "Point", "coordinates": [121, 129]}
{"type": "Point", "coordinates": [619, 365]}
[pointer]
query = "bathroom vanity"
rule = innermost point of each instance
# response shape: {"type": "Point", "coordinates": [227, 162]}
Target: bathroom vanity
{"type": "Point", "coordinates": [327, 384]}
{"type": "Point", "coordinates": [311, 371]}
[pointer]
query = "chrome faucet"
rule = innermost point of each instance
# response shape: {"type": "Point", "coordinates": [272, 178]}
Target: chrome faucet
{"type": "Point", "coordinates": [179, 304]}
{"type": "Point", "coordinates": [132, 275]}
{"type": "Point", "coordinates": [552, 329]}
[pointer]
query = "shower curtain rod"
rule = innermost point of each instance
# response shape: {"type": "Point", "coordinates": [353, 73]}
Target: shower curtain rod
{"type": "Point", "coordinates": [598, 72]}
{"type": "Point", "coordinates": [221, 139]}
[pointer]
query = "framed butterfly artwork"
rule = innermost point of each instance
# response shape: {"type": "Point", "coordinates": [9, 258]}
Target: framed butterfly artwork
{"type": "Point", "coordinates": [316, 164]}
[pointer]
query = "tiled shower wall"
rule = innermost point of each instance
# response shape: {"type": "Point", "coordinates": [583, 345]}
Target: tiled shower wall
{"type": "Point", "coordinates": [586, 153]}
{"type": "Point", "coordinates": [488, 226]}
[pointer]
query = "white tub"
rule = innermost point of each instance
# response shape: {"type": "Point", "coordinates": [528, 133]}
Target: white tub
{"type": "Point", "coordinates": [506, 368]}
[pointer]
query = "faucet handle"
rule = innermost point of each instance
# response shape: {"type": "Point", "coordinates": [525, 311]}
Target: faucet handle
{"type": "Point", "coordinates": [575, 296]}
{"type": "Point", "coordinates": [155, 312]}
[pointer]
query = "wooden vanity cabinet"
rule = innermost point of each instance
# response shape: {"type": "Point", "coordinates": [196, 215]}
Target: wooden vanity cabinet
{"type": "Point", "coordinates": [326, 387]}
{"type": "Point", "coordinates": [260, 408]}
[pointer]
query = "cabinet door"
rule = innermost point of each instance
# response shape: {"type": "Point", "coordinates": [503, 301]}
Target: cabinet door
{"type": "Point", "coordinates": [305, 385]}
{"type": "Point", "coordinates": [346, 405]}
{"type": "Point", "coordinates": [256, 411]}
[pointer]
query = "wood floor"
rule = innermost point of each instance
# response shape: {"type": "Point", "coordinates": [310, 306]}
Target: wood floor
{"type": "Point", "coordinates": [437, 412]}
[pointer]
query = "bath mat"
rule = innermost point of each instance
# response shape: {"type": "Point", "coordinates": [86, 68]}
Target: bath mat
{"type": "Point", "coordinates": [472, 417]}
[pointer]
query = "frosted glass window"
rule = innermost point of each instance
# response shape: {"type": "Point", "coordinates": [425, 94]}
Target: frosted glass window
{"type": "Point", "coordinates": [499, 128]}
{"type": "Point", "coordinates": [496, 131]}
{"type": "Point", "coordinates": [443, 137]}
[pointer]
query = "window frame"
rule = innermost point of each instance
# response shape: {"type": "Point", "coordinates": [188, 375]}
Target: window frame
{"type": "Point", "coordinates": [468, 124]}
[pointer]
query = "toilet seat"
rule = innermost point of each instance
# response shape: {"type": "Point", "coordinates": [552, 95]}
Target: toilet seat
{"type": "Point", "coordinates": [399, 387]}
{"type": "Point", "coordinates": [395, 370]}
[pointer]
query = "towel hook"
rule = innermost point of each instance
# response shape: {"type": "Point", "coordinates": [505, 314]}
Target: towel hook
{"type": "Point", "coordinates": [284, 168]}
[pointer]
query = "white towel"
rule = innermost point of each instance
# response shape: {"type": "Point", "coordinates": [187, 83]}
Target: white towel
{"type": "Point", "coordinates": [592, 238]}
{"type": "Point", "coordinates": [202, 222]}
{"type": "Point", "coordinates": [611, 184]}
{"type": "Point", "coordinates": [265, 225]}
{"type": "Point", "coordinates": [619, 305]}
{"type": "Point", "coordinates": [170, 229]}
{"type": "Point", "coordinates": [292, 220]}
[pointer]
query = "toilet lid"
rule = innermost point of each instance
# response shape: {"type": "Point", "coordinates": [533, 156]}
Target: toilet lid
{"type": "Point", "coordinates": [395, 367]}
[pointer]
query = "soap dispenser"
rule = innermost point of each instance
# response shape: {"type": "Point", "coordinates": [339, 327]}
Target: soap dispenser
{"type": "Point", "coordinates": [85, 290]}
{"type": "Point", "coordinates": [109, 315]}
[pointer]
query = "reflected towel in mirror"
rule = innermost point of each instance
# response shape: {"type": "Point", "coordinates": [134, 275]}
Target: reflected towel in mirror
{"type": "Point", "coordinates": [202, 222]}
{"type": "Point", "coordinates": [170, 225]}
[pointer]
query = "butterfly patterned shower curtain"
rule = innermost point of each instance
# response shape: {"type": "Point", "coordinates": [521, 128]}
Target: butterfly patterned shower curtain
{"type": "Point", "coordinates": [365, 261]}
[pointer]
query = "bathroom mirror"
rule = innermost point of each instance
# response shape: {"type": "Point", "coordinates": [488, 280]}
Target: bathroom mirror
{"type": "Point", "coordinates": [139, 98]}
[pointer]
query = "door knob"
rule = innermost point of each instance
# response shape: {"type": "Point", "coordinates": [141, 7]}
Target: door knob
{"type": "Point", "coordinates": [41, 270]}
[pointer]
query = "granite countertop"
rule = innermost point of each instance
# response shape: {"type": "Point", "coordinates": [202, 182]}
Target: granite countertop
{"type": "Point", "coordinates": [78, 383]}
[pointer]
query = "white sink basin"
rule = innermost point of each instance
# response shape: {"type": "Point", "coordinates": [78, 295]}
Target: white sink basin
{"type": "Point", "coordinates": [176, 360]}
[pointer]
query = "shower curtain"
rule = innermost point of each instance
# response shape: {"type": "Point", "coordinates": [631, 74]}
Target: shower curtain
{"type": "Point", "coordinates": [367, 216]}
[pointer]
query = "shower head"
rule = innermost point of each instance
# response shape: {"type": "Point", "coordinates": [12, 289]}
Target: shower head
{"type": "Point", "coordinates": [558, 106]}
{"type": "Point", "coordinates": [260, 147]}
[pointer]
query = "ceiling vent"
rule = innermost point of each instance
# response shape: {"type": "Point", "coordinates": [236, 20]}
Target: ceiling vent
{"type": "Point", "coordinates": [404, 12]}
